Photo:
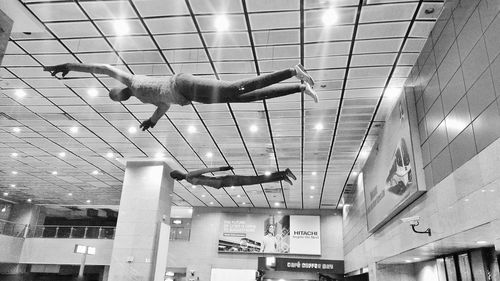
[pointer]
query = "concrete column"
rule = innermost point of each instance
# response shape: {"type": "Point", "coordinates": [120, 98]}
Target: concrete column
{"type": "Point", "coordinates": [143, 215]}
{"type": "Point", "coordinates": [5, 29]}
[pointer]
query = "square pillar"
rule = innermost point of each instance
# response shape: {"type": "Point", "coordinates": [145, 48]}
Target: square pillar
{"type": "Point", "coordinates": [143, 216]}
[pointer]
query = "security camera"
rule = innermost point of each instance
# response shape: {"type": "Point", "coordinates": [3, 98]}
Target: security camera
{"type": "Point", "coordinates": [411, 220]}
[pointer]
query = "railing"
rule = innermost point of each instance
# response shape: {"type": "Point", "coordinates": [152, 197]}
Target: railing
{"type": "Point", "coordinates": [180, 233]}
{"type": "Point", "coordinates": [67, 231]}
{"type": "Point", "coordinates": [12, 229]}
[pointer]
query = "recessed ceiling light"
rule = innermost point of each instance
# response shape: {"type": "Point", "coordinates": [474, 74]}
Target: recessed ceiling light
{"type": "Point", "coordinates": [312, 187]}
{"type": "Point", "coordinates": [73, 130]}
{"type": "Point", "coordinates": [14, 172]}
{"type": "Point", "coordinates": [20, 93]}
{"type": "Point", "coordinates": [254, 128]}
{"type": "Point", "coordinates": [193, 186]}
{"type": "Point", "coordinates": [354, 173]}
{"type": "Point", "coordinates": [203, 195]}
{"type": "Point", "coordinates": [92, 92]}
{"type": "Point", "coordinates": [16, 130]}
{"type": "Point", "coordinates": [417, 259]}
{"type": "Point", "coordinates": [132, 130]}
{"type": "Point", "coordinates": [95, 172]}
{"type": "Point", "coordinates": [192, 129]}
{"type": "Point", "coordinates": [364, 154]}
{"type": "Point", "coordinates": [314, 173]}
{"type": "Point", "coordinates": [88, 201]}
{"type": "Point", "coordinates": [392, 93]}
{"type": "Point", "coordinates": [4, 209]}
{"type": "Point", "coordinates": [29, 200]}
{"type": "Point", "coordinates": [482, 242]}
{"type": "Point", "coordinates": [221, 23]}
{"type": "Point", "coordinates": [466, 200]}
{"type": "Point", "coordinates": [311, 196]}
{"type": "Point", "coordinates": [70, 194]}
{"type": "Point", "coordinates": [14, 154]}
{"type": "Point", "coordinates": [54, 173]}
{"type": "Point", "coordinates": [243, 203]}
{"type": "Point", "coordinates": [209, 154]}
{"type": "Point", "coordinates": [5, 194]}
{"type": "Point", "coordinates": [407, 261]}
{"type": "Point", "coordinates": [267, 173]}
{"type": "Point", "coordinates": [62, 154]}
{"type": "Point", "coordinates": [329, 17]}
{"type": "Point", "coordinates": [12, 185]}
{"type": "Point", "coordinates": [110, 155]}
{"type": "Point", "coordinates": [276, 204]}
{"type": "Point", "coordinates": [239, 196]}
{"type": "Point", "coordinates": [318, 127]}
{"type": "Point", "coordinates": [121, 27]}
{"type": "Point", "coordinates": [232, 187]}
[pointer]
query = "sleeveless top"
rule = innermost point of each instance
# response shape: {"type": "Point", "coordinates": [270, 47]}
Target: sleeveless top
{"type": "Point", "coordinates": [157, 90]}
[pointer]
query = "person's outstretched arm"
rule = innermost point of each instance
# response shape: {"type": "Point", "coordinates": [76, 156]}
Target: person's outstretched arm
{"type": "Point", "coordinates": [208, 170]}
{"type": "Point", "coordinates": [95, 68]}
{"type": "Point", "coordinates": [159, 112]}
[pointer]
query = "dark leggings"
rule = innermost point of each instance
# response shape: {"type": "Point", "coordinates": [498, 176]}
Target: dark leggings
{"type": "Point", "coordinates": [205, 90]}
{"type": "Point", "coordinates": [235, 180]}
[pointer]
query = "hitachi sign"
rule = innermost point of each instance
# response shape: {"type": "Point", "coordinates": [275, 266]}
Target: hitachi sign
{"type": "Point", "coordinates": [303, 232]}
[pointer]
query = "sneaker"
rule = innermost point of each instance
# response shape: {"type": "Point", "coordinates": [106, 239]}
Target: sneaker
{"type": "Point", "coordinates": [310, 92]}
{"type": "Point", "coordinates": [288, 180]}
{"type": "Point", "coordinates": [290, 174]}
{"type": "Point", "coordinates": [301, 74]}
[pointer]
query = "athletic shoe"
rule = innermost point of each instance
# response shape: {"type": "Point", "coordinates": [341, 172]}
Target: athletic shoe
{"type": "Point", "coordinates": [290, 174]}
{"type": "Point", "coordinates": [301, 74]}
{"type": "Point", "coordinates": [310, 92]}
{"type": "Point", "coordinates": [288, 180]}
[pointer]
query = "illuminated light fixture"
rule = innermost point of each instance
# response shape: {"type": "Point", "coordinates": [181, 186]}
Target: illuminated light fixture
{"type": "Point", "coordinates": [466, 200]}
{"type": "Point", "coordinates": [110, 155]}
{"type": "Point", "coordinates": [481, 242]}
{"type": "Point", "coordinates": [5, 194]}
{"type": "Point", "coordinates": [243, 203]}
{"type": "Point", "coordinates": [169, 273]}
{"type": "Point", "coordinates": [311, 196]}
{"type": "Point", "coordinates": [4, 209]}
{"type": "Point", "coordinates": [12, 185]}
{"type": "Point", "coordinates": [276, 204]}
{"type": "Point", "coordinates": [73, 130]}
{"type": "Point", "coordinates": [209, 154]}
{"type": "Point", "coordinates": [407, 261]}
{"type": "Point", "coordinates": [14, 154]}
{"type": "Point", "coordinates": [239, 196]}
{"type": "Point", "coordinates": [62, 154]}
{"type": "Point", "coordinates": [132, 130]}
{"type": "Point", "coordinates": [70, 194]}
{"type": "Point", "coordinates": [329, 17]}
{"type": "Point", "coordinates": [29, 200]}
{"type": "Point", "coordinates": [176, 221]}
{"type": "Point", "coordinates": [14, 172]}
{"type": "Point", "coordinates": [211, 203]}
{"type": "Point", "coordinates": [267, 173]}
{"type": "Point", "coordinates": [88, 201]}
{"type": "Point", "coordinates": [121, 27]}
{"type": "Point", "coordinates": [16, 130]}
{"type": "Point", "coordinates": [318, 127]}
{"type": "Point", "coordinates": [194, 186]}
{"type": "Point", "coordinates": [392, 92]}
{"type": "Point", "coordinates": [159, 155]}
{"type": "Point", "coordinates": [221, 23]}
{"type": "Point", "coordinates": [92, 92]}
{"type": "Point", "coordinates": [416, 259]}
{"type": "Point", "coordinates": [203, 195]}
{"type": "Point", "coordinates": [192, 129]}
{"type": "Point", "coordinates": [313, 173]}
{"type": "Point", "coordinates": [54, 173]}
{"type": "Point", "coordinates": [254, 128]}
{"type": "Point", "coordinates": [20, 93]}
{"type": "Point", "coordinates": [312, 187]}
{"type": "Point", "coordinates": [232, 187]}
{"type": "Point", "coordinates": [364, 154]}
{"type": "Point", "coordinates": [82, 249]}
{"type": "Point", "coordinates": [95, 172]}
{"type": "Point", "coordinates": [483, 190]}
{"type": "Point", "coordinates": [354, 173]}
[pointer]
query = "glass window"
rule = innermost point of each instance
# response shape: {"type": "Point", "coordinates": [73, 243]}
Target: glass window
{"type": "Point", "coordinates": [464, 267]}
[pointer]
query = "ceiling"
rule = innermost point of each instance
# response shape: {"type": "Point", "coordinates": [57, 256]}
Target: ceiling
{"type": "Point", "coordinates": [372, 46]}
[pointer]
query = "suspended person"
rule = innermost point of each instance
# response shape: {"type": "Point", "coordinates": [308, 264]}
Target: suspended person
{"type": "Point", "coordinates": [217, 182]}
{"type": "Point", "coordinates": [184, 88]}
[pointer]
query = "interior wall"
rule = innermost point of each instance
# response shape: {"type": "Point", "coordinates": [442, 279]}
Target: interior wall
{"type": "Point", "coordinates": [456, 84]}
{"type": "Point", "coordinates": [200, 253]}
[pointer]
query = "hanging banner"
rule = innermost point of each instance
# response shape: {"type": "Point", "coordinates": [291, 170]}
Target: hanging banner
{"type": "Point", "coordinates": [289, 234]}
{"type": "Point", "coordinates": [301, 265]}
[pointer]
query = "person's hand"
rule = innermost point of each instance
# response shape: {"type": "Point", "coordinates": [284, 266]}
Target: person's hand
{"type": "Point", "coordinates": [147, 124]}
{"type": "Point", "coordinates": [55, 69]}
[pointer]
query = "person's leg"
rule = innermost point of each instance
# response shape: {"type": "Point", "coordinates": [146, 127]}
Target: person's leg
{"type": "Point", "coordinates": [216, 91]}
{"type": "Point", "coordinates": [236, 180]}
{"type": "Point", "coordinates": [275, 91]}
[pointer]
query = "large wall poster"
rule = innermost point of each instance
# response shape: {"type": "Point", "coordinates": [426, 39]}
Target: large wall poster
{"type": "Point", "coordinates": [260, 233]}
{"type": "Point", "coordinates": [390, 177]}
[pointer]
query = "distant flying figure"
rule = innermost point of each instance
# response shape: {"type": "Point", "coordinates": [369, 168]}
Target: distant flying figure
{"type": "Point", "coordinates": [217, 182]}
{"type": "Point", "coordinates": [184, 88]}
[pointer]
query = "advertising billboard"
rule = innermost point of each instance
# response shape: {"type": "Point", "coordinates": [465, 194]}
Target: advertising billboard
{"type": "Point", "coordinates": [389, 178]}
{"type": "Point", "coordinates": [260, 233]}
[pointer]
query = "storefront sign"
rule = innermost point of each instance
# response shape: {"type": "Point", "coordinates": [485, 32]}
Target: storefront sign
{"type": "Point", "coordinates": [302, 265]}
